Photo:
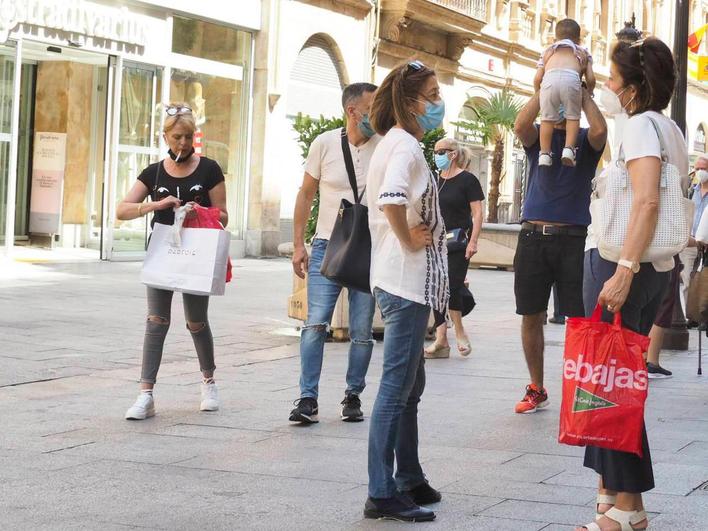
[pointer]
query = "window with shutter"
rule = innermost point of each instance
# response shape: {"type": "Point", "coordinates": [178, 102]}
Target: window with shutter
{"type": "Point", "coordinates": [316, 81]}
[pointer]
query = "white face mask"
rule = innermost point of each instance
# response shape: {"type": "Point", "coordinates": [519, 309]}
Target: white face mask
{"type": "Point", "coordinates": [702, 175]}
{"type": "Point", "coordinates": [610, 101]}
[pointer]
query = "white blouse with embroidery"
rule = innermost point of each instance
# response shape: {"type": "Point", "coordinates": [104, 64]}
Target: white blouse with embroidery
{"type": "Point", "coordinates": [399, 175]}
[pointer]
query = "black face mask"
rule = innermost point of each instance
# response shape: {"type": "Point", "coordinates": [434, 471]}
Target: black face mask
{"type": "Point", "coordinates": [185, 156]}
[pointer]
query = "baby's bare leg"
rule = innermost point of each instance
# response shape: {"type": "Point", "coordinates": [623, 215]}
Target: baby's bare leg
{"type": "Point", "coordinates": [571, 132]}
{"type": "Point", "coordinates": [546, 136]}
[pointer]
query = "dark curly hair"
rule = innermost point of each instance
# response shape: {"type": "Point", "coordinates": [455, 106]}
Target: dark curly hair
{"type": "Point", "coordinates": [648, 66]}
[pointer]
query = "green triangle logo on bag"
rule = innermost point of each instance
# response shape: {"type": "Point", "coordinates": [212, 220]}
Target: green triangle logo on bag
{"type": "Point", "coordinates": [586, 401]}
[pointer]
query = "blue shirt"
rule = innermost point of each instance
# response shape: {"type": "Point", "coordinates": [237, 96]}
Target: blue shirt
{"type": "Point", "coordinates": [557, 193]}
{"type": "Point", "coordinates": [700, 201]}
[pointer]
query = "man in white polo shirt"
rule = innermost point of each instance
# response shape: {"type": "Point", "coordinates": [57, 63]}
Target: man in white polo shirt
{"type": "Point", "coordinates": [326, 171]}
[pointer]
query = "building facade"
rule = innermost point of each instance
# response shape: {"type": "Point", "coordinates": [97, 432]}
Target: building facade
{"type": "Point", "coordinates": [478, 48]}
{"type": "Point", "coordinates": [82, 83]}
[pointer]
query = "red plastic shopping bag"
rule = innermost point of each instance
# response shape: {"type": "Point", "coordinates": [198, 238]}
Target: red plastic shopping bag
{"type": "Point", "coordinates": [208, 218]}
{"type": "Point", "coordinates": [604, 385]}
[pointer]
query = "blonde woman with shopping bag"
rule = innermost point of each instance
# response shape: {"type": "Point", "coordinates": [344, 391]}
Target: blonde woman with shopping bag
{"type": "Point", "coordinates": [182, 179]}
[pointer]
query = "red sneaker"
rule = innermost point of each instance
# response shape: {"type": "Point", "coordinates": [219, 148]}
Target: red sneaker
{"type": "Point", "coordinates": [533, 400]}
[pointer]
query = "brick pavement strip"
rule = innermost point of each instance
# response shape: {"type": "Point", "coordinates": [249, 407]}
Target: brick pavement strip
{"type": "Point", "coordinates": [71, 336]}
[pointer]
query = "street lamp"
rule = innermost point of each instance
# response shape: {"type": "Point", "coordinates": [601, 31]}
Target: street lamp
{"type": "Point", "coordinates": [629, 33]}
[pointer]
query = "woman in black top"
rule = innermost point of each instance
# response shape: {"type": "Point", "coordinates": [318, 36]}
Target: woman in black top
{"type": "Point", "coordinates": [184, 178]}
{"type": "Point", "coordinates": [461, 199]}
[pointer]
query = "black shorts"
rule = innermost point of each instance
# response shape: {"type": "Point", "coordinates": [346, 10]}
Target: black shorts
{"type": "Point", "coordinates": [665, 315]}
{"type": "Point", "coordinates": [542, 261]}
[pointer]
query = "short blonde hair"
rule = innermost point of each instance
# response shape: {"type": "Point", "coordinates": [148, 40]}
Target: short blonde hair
{"type": "Point", "coordinates": [463, 155]}
{"type": "Point", "coordinates": [186, 119]}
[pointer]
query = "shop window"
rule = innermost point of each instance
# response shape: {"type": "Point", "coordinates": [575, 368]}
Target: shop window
{"type": "Point", "coordinates": [205, 40]}
{"type": "Point", "coordinates": [699, 141]}
{"type": "Point", "coordinates": [220, 107]}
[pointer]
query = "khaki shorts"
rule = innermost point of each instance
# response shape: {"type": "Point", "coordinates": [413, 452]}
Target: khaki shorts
{"type": "Point", "coordinates": [561, 87]}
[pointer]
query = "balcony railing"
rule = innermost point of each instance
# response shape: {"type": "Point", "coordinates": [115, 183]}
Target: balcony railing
{"type": "Point", "coordinates": [472, 8]}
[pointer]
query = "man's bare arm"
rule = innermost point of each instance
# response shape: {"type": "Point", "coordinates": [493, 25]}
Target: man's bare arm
{"type": "Point", "coordinates": [524, 126]}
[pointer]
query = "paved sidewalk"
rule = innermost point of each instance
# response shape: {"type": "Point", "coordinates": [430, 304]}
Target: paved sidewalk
{"type": "Point", "coordinates": [71, 336]}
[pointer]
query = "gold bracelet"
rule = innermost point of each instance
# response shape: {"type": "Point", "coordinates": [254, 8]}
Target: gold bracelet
{"type": "Point", "coordinates": [140, 208]}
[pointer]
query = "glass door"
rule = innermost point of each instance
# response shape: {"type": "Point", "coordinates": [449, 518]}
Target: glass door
{"type": "Point", "coordinates": [7, 88]}
{"type": "Point", "coordinates": [138, 141]}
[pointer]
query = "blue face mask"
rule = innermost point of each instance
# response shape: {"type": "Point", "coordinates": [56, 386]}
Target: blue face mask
{"type": "Point", "coordinates": [442, 162]}
{"type": "Point", "coordinates": [433, 116]}
{"type": "Point", "coordinates": [365, 126]}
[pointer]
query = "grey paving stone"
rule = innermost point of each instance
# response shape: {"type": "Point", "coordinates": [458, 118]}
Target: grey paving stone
{"type": "Point", "coordinates": [489, 483]}
{"type": "Point", "coordinates": [66, 449]}
{"type": "Point", "coordinates": [538, 512]}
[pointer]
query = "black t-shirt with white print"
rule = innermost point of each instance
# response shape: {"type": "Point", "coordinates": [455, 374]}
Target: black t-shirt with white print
{"type": "Point", "coordinates": [194, 187]}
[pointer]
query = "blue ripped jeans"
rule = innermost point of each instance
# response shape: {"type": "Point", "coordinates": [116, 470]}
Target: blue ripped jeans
{"type": "Point", "coordinates": [393, 430]}
{"type": "Point", "coordinates": [322, 295]}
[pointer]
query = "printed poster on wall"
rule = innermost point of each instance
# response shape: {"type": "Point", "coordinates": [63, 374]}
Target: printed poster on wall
{"type": "Point", "coordinates": [48, 163]}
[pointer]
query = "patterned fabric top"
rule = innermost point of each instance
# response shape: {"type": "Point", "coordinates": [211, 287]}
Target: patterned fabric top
{"type": "Point", "coordinates": [399, 175]}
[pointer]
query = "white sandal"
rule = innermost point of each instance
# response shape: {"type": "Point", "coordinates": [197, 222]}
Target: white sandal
{"type": "Point", "coordinates": [624, 518]}
{"type": "Point", "coordinates": [464, 347]}
{"type": "Point", "coordinates": [604, 499]}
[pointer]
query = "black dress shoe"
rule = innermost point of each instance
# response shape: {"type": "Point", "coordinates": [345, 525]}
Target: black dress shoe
{"type": "Point", "coordinates": [399, 508]}
{"type": "Point", "coordinates": [424, 494]}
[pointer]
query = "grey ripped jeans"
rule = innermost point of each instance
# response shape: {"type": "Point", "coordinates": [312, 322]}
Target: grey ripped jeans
{"type": "Point", "coordinates": [195, 311]}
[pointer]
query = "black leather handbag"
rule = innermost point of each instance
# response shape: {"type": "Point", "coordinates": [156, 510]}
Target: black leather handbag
{"type": "Point", "coordinates": [456, 240]}
{"type": "Point", "coordinates": [347, 260]}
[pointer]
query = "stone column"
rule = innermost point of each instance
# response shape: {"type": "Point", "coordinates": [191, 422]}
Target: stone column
{"type": "Point", "coordinates": [263, 230]}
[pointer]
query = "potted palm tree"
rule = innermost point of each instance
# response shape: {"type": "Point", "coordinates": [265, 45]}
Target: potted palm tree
{"type": "Point", "coordinates": [495, 118]}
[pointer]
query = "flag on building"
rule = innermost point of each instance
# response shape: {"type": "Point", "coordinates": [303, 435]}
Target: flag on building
{"type": "Point", "coordinates": [695, 38]}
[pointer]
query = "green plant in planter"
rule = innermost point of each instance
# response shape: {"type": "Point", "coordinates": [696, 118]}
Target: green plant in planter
{"type": "Point", "coordinates": [307, 130]}
{"type": "Point", "coordinates": [429, 140]}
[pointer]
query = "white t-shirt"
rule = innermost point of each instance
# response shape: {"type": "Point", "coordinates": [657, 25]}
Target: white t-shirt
{"type": "Point", "coordinates": [399, 175]}
{"type": "Point", "coordinates": [639, 139]}
{"type": "Point", "coordinates": [325, 162]}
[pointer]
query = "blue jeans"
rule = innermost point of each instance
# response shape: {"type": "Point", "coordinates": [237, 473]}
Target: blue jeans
{"type": "Point", "coordinates": [322, 295]}
{"type": "Point", "coordinates": [394, 419]}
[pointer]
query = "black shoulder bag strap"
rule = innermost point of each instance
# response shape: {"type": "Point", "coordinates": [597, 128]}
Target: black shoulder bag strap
{"type": "Point", "coordinates": [350, 167]}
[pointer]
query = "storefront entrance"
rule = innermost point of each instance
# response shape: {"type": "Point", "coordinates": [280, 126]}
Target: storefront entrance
{"type": "Point", "coordinates": [81, 115]}
{"type": "Point", "coordinates": [62, 124]}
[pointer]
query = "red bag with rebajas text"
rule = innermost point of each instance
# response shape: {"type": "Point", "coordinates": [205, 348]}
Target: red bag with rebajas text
{"type": "Point", "coordinates": [605, 384]}
{"type": "Point", "coordinates": [208, 218]}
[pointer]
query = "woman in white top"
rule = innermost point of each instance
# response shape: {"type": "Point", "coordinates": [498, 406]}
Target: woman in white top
{"type": "Point", "coordinates": [408, 278]}
{"type": "Point", "coordinates": [641, 83]}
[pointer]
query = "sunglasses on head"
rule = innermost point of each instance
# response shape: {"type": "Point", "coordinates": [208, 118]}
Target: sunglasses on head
{"type": "Point", "coordinates": [174, 111]}
{"type": "Point", "coordinates": [416, 65]}
{"type": "Point", "coordinates": [442, 151]}
{"type": "Point", "coordinates": [640, 44]}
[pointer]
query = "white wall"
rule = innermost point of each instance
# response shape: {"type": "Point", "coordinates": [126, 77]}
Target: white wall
{"type": "Point", "coordinates": [244, 13]}
{"type": "Point", "coordinates": [283, 163]}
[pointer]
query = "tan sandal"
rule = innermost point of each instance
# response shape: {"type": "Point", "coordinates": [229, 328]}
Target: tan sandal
{"type": "Point", "coordinates": [624, 518]}
{"type": "Point", "coordinates": [436, 351]}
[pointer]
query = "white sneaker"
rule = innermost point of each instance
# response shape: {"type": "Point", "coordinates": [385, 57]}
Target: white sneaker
{"type": "Point", "coordinates": [210, 397]}
{"type": "Point", "coordinates": [544, 159]}
{"type": "Point", "coordinates": [143, 408]}
{"type": "Point", "coordinates": [568, 157]}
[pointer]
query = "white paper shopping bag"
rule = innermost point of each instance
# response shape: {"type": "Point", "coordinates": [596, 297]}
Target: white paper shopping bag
{"type": "Point", "coordinates": [197, 265]}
